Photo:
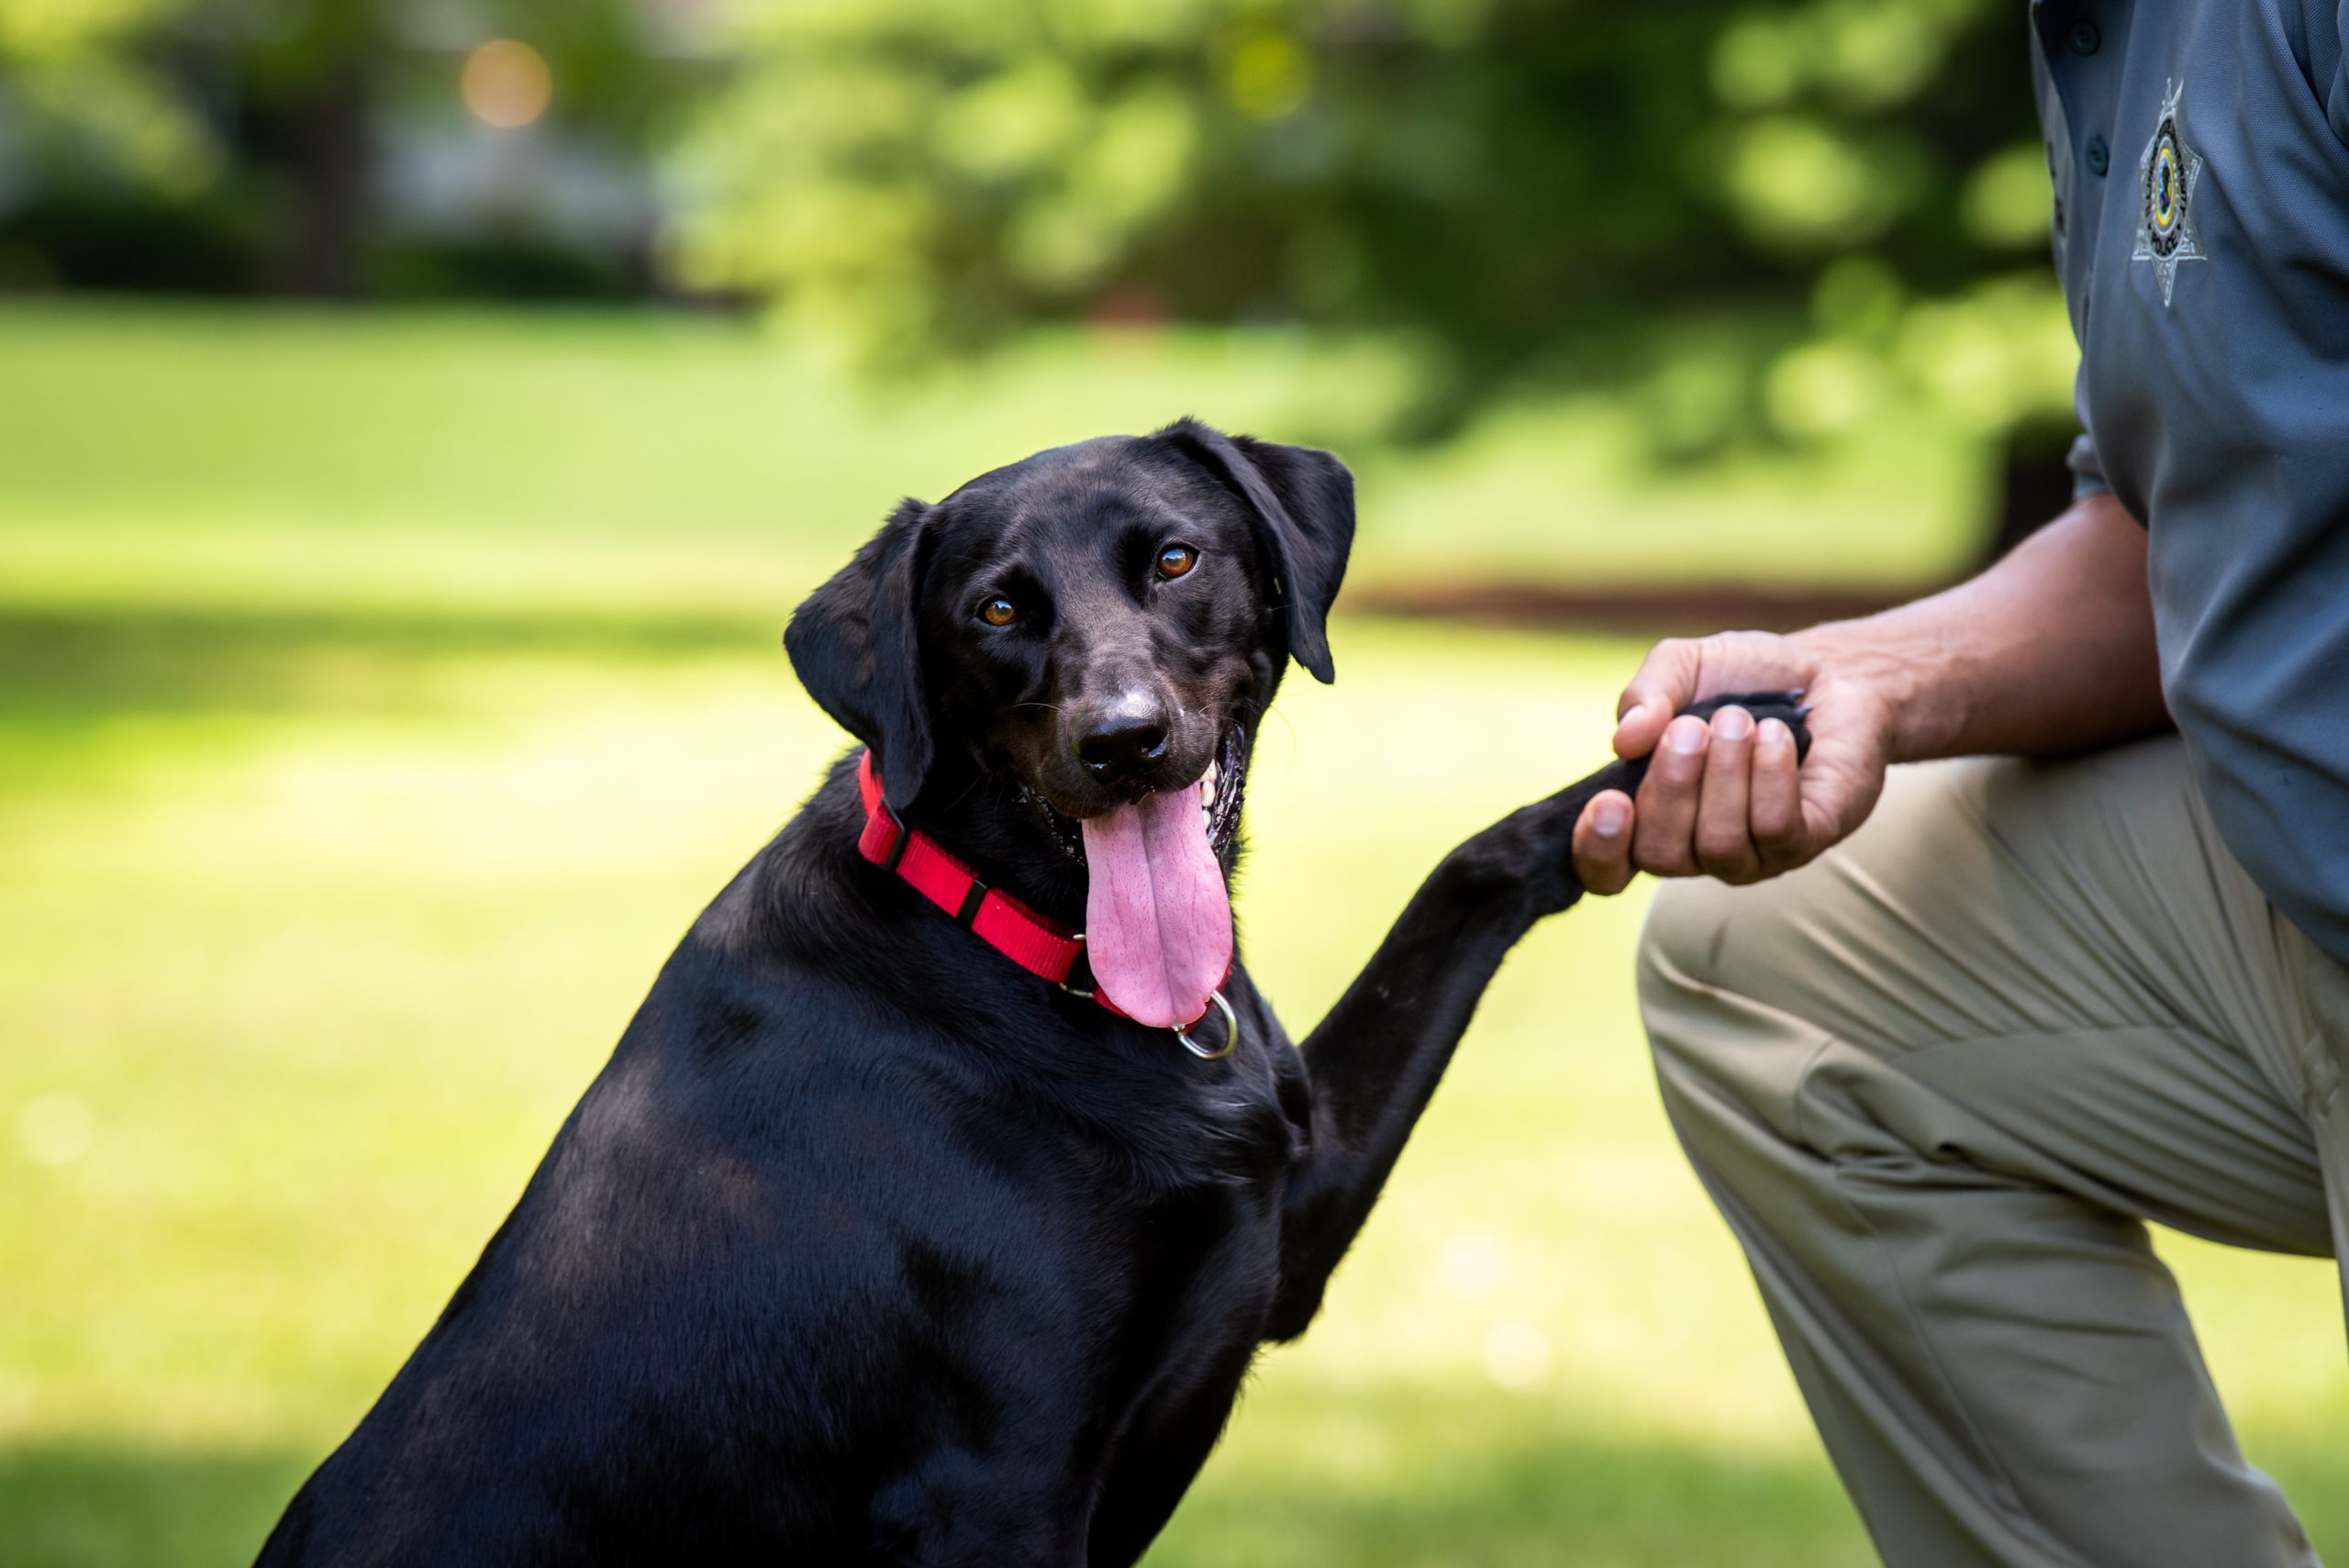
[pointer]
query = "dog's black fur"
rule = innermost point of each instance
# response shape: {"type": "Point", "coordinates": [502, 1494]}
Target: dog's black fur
{"type": "Point", "coordinates": [869, 1247]}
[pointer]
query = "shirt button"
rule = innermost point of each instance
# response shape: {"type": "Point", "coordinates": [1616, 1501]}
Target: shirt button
{"type": "Point", "coordinates": [2099, 156]}
{"type": "Point", "coordinates": [2085, 38]}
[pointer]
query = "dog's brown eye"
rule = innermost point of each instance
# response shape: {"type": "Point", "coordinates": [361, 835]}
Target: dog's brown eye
{"type": "Point", "coordinates": [1176, 559]}
{"type": "Point", "coordinates": [998, 611]}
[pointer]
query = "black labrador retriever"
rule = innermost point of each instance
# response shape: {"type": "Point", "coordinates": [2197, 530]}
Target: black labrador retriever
{"type": "Point", "coordinates": [904, 1226]}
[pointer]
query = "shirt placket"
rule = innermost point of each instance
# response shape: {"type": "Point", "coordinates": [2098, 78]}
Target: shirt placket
{"type": "Point", "coordinates": [2077, 49]}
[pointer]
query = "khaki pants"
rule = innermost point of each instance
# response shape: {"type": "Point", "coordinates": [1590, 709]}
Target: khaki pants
{"type": "Point", "coordinates": [1936, 1080]}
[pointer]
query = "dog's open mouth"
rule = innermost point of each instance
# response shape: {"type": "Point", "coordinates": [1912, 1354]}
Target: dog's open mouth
{"type": "Point", "coordinates": [1227, 776]}
{"type": "Point", "coordinates": [1157, 914]}
{"type": "Point", "coordinates": [1219, 800]}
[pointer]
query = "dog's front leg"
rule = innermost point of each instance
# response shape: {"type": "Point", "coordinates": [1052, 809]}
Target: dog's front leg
{"type": "Point", "coordinates": [970, 1512]}
{"type": "Point", "coordinates": [1375, 1060]}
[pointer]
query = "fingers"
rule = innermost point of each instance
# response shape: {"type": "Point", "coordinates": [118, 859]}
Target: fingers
{"type": "Point", "coordinates": [1664, 829]}
{"type": "Point", "coordinates": [1723, 839]}
{"type": "Point", "coordinates": [1721, 800]}
{"type": "Point", "coordinates": [1665, 683]}
{"type": "Point", "coordinates": [1774, 808]}
{"type": "Point", "coordinates": [1602, 843]}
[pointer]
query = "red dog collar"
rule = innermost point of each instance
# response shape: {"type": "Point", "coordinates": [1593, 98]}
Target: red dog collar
{"type": "Point", "coordinates": [1043, 948]}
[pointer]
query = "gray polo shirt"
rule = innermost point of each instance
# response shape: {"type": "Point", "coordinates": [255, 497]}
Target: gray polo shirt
{"type": "Point", "coordinates": [2200, 154]}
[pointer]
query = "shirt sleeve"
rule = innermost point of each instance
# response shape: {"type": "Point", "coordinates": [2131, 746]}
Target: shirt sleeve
{"type": "Point", "coordinates": [2088, 468]}
{"type": "Point", "coordinates": [2087, 476]}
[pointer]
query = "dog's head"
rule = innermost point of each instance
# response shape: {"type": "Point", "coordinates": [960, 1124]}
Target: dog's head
{"type": "Point", "coordinates": [1099, 626]}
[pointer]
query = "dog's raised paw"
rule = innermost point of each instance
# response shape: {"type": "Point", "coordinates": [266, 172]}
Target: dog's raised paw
{"type": "Point", "coordinates": [1786, 706]}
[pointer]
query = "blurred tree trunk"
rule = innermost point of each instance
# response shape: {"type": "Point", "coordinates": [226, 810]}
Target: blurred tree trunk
{"type": "Point", "coordinates": [329, 157]}
{"type": "Point", "coordinates": [2035, 485]}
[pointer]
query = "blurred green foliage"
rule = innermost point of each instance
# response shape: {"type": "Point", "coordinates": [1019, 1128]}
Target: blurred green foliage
{"type": "Point", "coordinates": [1759, 222]}
{"type": "Point", "coordinates": [1523, 189]}
{"type": "Point", "coordinates": [81, 91]}
{"type": "Point", "coordinates": [232, 145]}
{"type": "Point", "coordinates": [127, 91]}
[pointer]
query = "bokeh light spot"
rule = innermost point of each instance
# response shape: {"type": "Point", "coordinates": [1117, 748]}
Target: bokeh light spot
{"type": "Point", "coordinates": [507, 83]}
{"type": "Point", "coordinates": [1267, 76]}
{"type": "Point", "coordinates": [1859, 295]}
{"type": "Point", "coordinates": [1807, 184]}
{"type": "Point", "coordinates": [1819, 389]}
{"type": "Point", "coordinates": [2008, 201]}
{"type": "Point", "coordinates": [56, 1128]}
{"type": "Point", "coordinates": [1472, 1264]}
{"type": "Point", "coordinates": [1517, 1355]}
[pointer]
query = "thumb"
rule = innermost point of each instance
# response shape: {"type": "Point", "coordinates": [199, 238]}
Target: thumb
{"type": "Point", "coordinates": [1664, 683]}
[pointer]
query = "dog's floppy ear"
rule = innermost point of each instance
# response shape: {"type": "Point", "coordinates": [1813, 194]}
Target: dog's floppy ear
{"type": "Point", "coordinates": [1302, 500]}
{"type": "Point", "coordinates": [855, 647]}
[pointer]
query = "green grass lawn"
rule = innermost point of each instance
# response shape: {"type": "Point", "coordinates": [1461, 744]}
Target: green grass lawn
{"type": "Point", "coordinates": [379, 700]}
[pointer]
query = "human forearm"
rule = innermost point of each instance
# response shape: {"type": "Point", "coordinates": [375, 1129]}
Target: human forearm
{"type": "Point", "coordinates": [2050, 651]}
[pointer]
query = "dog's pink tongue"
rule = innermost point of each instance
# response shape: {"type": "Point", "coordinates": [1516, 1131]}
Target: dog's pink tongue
{"type": "Point", "coordinates": [1157, 919]}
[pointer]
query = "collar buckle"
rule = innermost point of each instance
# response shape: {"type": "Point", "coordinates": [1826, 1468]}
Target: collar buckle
{"type": "Point", "coordinates": [1079, 981]}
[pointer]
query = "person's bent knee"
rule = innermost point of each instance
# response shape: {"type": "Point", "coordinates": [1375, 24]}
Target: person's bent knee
{"type": "Point", "coordinates": [1681, 944]}
{"type": "Point", "coordinates": [1718, 1059]}
{"type": "Point", "coordinates": [1732, 955]}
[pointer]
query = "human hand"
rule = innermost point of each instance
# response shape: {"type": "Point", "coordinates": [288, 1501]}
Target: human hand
{"type": "Point", "coordinates": [1728, 798]}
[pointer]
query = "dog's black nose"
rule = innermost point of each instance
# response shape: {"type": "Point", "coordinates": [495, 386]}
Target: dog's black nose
{"type": "Point", "coordinates": [1123, 737]}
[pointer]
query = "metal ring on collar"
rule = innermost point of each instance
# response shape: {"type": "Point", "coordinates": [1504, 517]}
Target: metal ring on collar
{"type": "Point", "coordinates": [1231, 1032]}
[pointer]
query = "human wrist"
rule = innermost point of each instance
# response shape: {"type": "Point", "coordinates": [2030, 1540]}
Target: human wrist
{"type": "Point", "coordinates": [1880, 671]}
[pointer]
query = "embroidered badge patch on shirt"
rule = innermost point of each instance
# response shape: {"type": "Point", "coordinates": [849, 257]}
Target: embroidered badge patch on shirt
{"type": "Point", "coordinates": [2166, 176]}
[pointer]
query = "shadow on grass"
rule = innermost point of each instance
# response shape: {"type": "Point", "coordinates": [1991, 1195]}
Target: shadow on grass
{"type": "Point", "coordinates": [1465, 1478]}
{"type": "Point", "coordinates": [1589, 1505]}
{"type": "Point", "coordinates": [69, 678]}
{"type": "Point", "coordinates": [178, 658]}
{"type": "Point", "coordinates": [77, 1506]}
{"type": "Point", "coordinates": [1418, 1476]}
{"type": "Point", "coordinates": [1564, 1497]}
